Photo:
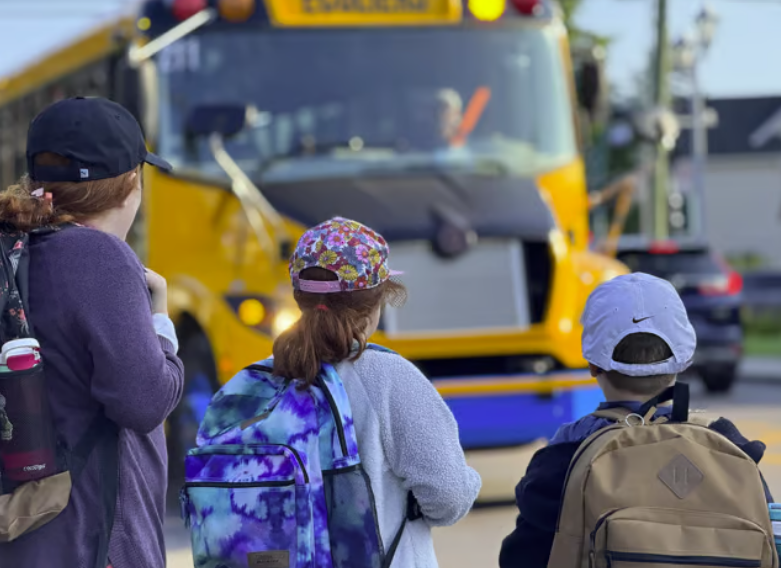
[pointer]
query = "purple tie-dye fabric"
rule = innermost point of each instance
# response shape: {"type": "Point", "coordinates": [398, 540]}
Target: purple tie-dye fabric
{"type": "Point", "coordinates": [277, 480]}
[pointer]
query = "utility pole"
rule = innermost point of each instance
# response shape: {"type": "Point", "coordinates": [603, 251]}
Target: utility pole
{"type": "Point", "coordinates": [699, 152]}
{"type": "Point", "coordinates": [661, 101]}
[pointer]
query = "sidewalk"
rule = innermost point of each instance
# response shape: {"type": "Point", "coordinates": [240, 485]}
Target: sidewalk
{"type": "Point", "coordinates": [761, 369]}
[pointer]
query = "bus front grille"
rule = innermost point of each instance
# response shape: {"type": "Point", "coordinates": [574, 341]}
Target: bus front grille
{"type": "Point", "coordinates": [498, 284]}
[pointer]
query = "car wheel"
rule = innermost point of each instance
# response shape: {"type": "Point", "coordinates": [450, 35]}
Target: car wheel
{"type": "Point", "coordinates": [200, 384]}
{"type": "Point", "coordinates": [719, 379]}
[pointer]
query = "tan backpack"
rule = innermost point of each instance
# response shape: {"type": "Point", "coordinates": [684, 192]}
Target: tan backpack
{"type": "Point", "coordinates": [653, 493]}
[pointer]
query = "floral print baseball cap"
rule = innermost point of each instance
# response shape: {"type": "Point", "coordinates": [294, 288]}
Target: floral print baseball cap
{"type": "Point", "coordinates": [355, 253]}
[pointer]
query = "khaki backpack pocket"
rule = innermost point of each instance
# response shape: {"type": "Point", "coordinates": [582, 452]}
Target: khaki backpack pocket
{"type": "Point", "coordinates": [665, 538]}
{"type": "Point", "coordinates": [32, 505]}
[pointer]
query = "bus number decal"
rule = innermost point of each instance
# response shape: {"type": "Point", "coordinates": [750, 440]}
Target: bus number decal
{"type": "Point", "coordinates": [181, 56]}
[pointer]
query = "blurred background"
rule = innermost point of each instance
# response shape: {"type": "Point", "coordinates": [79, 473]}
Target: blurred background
{"type": "Point", "coordinates": [515, 154]}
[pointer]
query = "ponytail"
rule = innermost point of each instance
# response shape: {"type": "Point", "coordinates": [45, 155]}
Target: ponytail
{"type": "Point", "coordinates": [29, 204]}
{"type": "Point", "coordinates": [332, 327]}
{"type": "Point", "coordinates": [24, 209]}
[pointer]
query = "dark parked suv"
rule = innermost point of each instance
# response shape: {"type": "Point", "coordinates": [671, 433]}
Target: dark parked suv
{"type": "Point", "coordinates": [711, 292]}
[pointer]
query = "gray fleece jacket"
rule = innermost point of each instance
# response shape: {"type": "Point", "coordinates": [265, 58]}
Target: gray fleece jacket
{"type": "Point", "coordinates": [408, 441]}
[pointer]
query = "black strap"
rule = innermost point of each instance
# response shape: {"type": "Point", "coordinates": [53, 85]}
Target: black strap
{"type": "Point", "coordinates": [679, 394]}
{"type": "Point", "coordinates": [102, 434]}
{"type": "Point", "coordinates": [413, 513]}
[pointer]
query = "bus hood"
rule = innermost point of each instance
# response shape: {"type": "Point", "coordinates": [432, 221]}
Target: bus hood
{"type": "Point", "coordinates": [415, 207]}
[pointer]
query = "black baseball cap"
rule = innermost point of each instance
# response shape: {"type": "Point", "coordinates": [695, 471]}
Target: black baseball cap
{"type": "Point", "coordinates": [100, 138]}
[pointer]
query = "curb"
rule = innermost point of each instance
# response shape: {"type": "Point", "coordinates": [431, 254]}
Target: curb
{"type": "Point", "coordinates": [760, 370]}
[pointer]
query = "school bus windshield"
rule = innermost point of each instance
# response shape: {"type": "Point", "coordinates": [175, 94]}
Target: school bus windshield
{"type": "Point", "coordinates": [347, 102]}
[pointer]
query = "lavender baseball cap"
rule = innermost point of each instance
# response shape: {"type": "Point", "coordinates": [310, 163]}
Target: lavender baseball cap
{"type": "Point", "coordinates": [637, 303]}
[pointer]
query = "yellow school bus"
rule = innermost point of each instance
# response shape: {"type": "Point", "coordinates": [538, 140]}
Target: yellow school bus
{"type": "Point", "coordinates": [448, 126]}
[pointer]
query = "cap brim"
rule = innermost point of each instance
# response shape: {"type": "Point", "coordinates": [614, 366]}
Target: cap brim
{"type": "Point", "coordinates": [158, 162]}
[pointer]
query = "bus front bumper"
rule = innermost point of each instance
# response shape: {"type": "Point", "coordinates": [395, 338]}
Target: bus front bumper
{"type": "Point", "coordinates": [510, 410]}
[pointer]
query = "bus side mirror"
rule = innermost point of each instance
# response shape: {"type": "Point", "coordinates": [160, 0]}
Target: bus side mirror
{"type": "Point", "coordinates": [227, 120]}
{"type": "Point", "coordinates": [590, 87]}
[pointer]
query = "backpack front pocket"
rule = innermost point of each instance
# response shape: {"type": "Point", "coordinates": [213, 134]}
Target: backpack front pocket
{"type": "Point", "coordinates": [667, 538]}
{"type": "Point", "coordinates": [246, 506]}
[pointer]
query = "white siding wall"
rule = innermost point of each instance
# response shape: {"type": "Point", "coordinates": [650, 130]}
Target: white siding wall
{"type": "Point", "coordinates": [743, 205]}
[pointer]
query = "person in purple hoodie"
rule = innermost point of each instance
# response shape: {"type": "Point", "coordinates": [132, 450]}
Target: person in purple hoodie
{"type": "Point", "coordinates": [106, 339]}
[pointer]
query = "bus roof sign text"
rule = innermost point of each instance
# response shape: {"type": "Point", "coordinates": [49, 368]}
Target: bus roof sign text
{"type": "Point", "coordinates": [309, 13]}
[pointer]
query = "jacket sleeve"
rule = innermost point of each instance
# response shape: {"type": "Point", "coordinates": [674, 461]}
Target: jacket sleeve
{"type": "Point", "coordinates": [136, 374]}
{"type": "Point", "coordinates": [754, 449]}
{"type": "Point", "coordinates": [420, 438]}
{"type": "Point", "coordinates": [538, 497]}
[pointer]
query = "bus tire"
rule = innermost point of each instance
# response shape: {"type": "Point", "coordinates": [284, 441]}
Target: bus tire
{"type": "Point", "coordinates": [200, 384]}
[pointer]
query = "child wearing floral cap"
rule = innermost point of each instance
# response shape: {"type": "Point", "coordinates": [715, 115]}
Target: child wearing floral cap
{"type": "Point", "coordinates": [407, 436]}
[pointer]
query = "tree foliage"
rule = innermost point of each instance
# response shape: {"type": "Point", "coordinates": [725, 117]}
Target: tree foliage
{"type": "Point", "coordinates": [569, 9]}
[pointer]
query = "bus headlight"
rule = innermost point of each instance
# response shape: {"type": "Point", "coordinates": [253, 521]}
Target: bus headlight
{"type": "Point", "coordinates": [252, 312]}
{"type": "Point", "coordinates": [262, 313]}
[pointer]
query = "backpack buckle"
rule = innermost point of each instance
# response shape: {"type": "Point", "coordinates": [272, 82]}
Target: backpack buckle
{"type": "Point", "coordinates": [414, 511]}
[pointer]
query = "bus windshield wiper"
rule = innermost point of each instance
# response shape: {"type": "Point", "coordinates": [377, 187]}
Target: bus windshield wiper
{"type": "Point", "coordinates": [139, 54]}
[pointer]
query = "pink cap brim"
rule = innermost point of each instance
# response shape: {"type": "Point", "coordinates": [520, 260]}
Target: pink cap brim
{"type": "Point", "coordinates": [329, 287]}
{"type": "Point", "coordinates": [317, 287]}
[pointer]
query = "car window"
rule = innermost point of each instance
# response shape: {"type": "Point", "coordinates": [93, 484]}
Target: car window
{"type": "Point", "coordinates": [668, 265]}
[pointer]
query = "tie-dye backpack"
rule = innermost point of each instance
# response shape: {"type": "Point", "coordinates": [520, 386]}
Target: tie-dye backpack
{"type": "Point", "coordinates": [276, 480]}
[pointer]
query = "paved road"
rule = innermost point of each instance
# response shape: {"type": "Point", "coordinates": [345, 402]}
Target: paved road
{"type": "Point", "coordinates": [475, 541]}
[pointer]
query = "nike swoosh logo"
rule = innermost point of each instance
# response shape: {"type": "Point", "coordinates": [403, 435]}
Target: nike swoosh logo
{"type": "Point", "coordinates": [641, 319]}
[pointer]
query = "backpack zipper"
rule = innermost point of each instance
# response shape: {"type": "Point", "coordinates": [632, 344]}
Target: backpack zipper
{"type": "Point", "coordinates": [184, 497]}
{"type": "Point", "coordinates": [206, 450]}
{"type": "Point", "coordinates": [240, 484]}
{"type": "Point", "coordinates": [647, 558]}
{"type": "Point", "coordinates": [600, 522]}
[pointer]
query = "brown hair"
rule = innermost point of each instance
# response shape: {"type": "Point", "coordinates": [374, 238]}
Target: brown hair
{"type": "Point", "coordinates": [68, 201]}
{"type": "Point", "coordinates": [639, 349]}
{"type": "Point", "coordinates": [329, 326]}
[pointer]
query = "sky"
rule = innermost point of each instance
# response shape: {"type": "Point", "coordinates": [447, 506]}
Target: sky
{"type": "Point", "coordinates": [743, 60]}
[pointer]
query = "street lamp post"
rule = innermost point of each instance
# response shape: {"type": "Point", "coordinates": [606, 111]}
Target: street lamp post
{"type": "Point", "coordinates": [688, 52]}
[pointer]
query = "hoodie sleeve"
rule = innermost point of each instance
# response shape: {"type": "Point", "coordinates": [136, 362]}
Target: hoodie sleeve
{"type": "Point", "coordinates": [538, 497]}
{"type": "Point", "coordinates": [754, 449]}
{"type": "Point", "coordinates": [419, 437]}
{"type": "Point", "coordinates": [136, 374]}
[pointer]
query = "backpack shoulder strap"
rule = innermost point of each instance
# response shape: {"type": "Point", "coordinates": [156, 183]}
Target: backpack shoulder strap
{"type": "Point", "coordinates": [678, 394]}
{"type": "Point", "coordinates": [570, 527]}
{"type": "Point", "coordinates": [14, 256]}
{"type": "Point", "coordinates": [14, 300]}
{"type": "Point", "coordinates": [413, 513]}
{"type": "Point", "coordinates": [333, 389]}
{"type": "Point", "coordinates": [101, 435]}
{"type": "Point", "coordinates": [330, 383]}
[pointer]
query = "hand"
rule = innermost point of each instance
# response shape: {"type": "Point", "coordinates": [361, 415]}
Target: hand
{"type": "Point", "coordinates": [159, 289]}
